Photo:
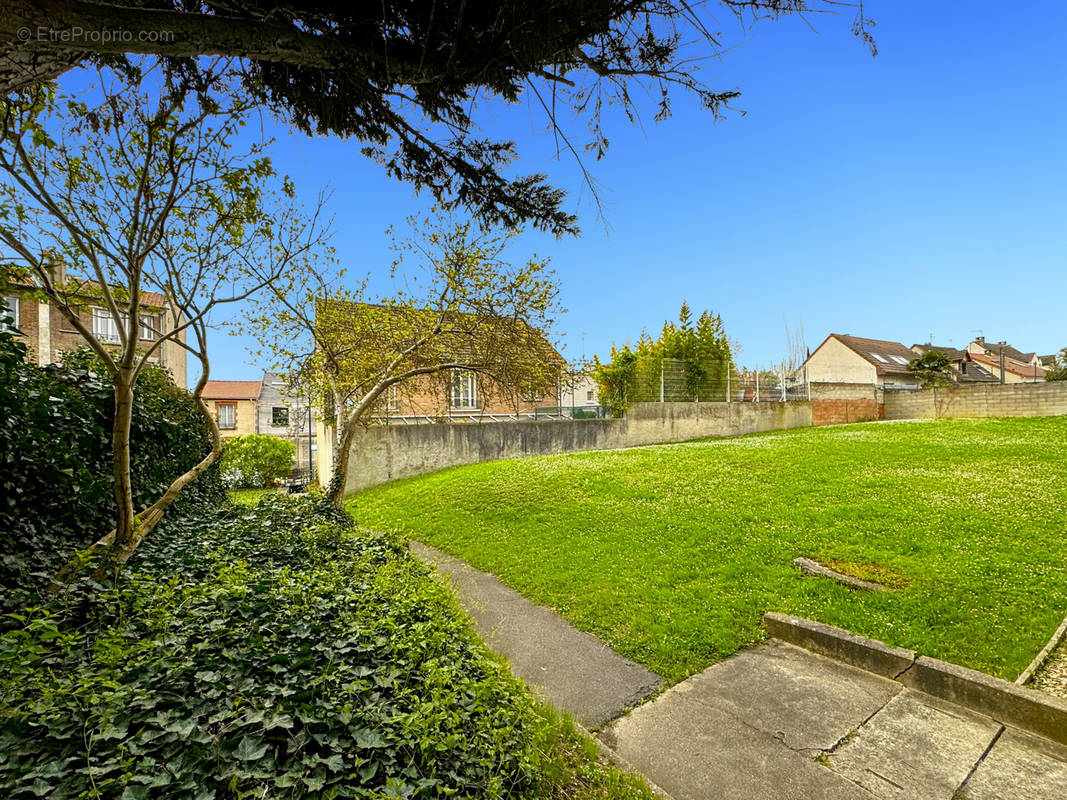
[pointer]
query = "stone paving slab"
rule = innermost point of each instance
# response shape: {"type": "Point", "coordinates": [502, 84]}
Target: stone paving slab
{"type": "Point", "coordinates": [751, 726]}
{"type": "Point", "coordinates": [700, 752]}
{"type": "Point", "coordinates": [571, 670]}
{"type": "Point", "coordinates": [806, 701]}
{"type": "Point", "coordinates": [1020, 765]}
{"type": "Point", "coordinates": [916, 748]}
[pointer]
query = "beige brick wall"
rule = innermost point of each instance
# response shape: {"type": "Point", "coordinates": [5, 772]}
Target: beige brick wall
{"type": "Point", "coordinates": [980, 400]}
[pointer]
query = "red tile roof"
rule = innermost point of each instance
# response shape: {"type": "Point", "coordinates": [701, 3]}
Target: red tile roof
{"type": "Point", "coordinates": [1010, 365]}
{"type": "Point", "coordinates": [232, 390]}
{"type": "Point", "coordinates": [153, 299]}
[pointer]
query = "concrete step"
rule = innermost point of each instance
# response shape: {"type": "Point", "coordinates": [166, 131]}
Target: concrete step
{"type": "Point", "coordinates": [915, 748]}
{"type": "Point", "coordinates": [752, 727]}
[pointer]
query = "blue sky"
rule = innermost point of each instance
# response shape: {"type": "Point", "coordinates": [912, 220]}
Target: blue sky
{"type": "Point", "coordinates": [920, 192]}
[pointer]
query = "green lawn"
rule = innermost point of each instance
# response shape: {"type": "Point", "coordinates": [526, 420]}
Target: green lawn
{"type": "Point", "coordinates": [672, 553]}
{"type": "Point", "coordinates": [249, 497]}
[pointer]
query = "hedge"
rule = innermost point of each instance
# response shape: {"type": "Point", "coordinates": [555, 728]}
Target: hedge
{"type": "Point", "coordinates": [56, 462]}
{"type": "Point", "coordinates": [256, 461]}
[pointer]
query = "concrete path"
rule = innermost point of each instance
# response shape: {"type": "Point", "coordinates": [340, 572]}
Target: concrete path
{"type": "Point", "coordinates": [777, 721]}
{"type": "Point", "coordinates": [571, 670]}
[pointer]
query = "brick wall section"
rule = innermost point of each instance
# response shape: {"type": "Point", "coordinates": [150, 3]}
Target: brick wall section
{"type": "Point", "coordinates": [840, 403]}
{"type": "Point", "coordinates": [980, 400]}
{"type": "Point", "coordinates": [384, 453]}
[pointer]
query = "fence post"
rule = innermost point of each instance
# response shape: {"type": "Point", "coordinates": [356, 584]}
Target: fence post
{"type": "Point", "coordinates": [757, 383]}
{"type": "Point", "coordinates": [727, 380]}
{"type": "Point", "coordinates": [807, 383]}
{"type": "Point", "coordinates": [662, 364]}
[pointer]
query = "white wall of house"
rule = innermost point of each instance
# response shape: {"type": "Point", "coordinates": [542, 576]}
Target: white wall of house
{"type": "Point", "coordinates": [578, 391]}
{"type": "Point", "coordinates": [833, 362]}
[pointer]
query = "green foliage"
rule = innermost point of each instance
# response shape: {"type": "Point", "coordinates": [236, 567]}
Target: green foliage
{"type": "Point", "coordinates": [273, 651]}
{"type": "Point", "coordinates": [680, 549]}
{"type": "Point", "coordinates": [933, 369]}
{"type": "Point", "coordinates": [55, 474]}
{"type": "Point", "coordinates": [256, 461]}
{"type": "Point", "coordinates": [1058, 372]}
{"type": "Point", "coordinates": [694, 362]}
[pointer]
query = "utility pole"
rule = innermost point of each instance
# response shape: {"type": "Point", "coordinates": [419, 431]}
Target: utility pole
{"type": "Point", "coordinates": [1002, 360]}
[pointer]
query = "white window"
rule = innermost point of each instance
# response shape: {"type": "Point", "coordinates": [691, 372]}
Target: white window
{"type": "Point", "coordinates": [104, 326]}
{"type": "Point", "coordinates": [392, 401]}
{"type": "Point", "coordinates": [590, 396]}
{"type": "Point", "coordinates": [150, 326]}
{"type": "Point", "coordinates": [901, 360]}
{"type": "Point", "coordinates": [227, 415]}
{"type": "Point", "coordinates": [464, 389]}
{"type": "Point", "coordinates": [10, 309]}
{"type": "Point", "coordinates": [880, 358]}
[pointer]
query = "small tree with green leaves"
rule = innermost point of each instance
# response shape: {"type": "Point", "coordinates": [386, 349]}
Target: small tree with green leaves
{"type": "Point", "coordinates": [463, 308]}
{"type": "Point", "coordinates": [1057, 370]}
{"type": "Point", "coordinates": [139, 182]}
{"type": "Point", "coordinates": [632, 374]}
{"type": "Point", "coordinates": [933, 369]}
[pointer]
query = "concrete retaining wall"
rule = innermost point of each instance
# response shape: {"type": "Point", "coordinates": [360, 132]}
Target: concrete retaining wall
{"type": "Point", "coordinates": [388, 452]}
{"type": "Point", "coordinates": [979, 400]}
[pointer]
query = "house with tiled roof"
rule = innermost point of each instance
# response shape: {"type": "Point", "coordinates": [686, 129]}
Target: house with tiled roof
{"type": "Point", "coordinates": [848, 359]}
{"type": "Point", "coordinates": [235, 405]}
{"type": "Point", "coordinates": [1008, 364]}
{"type": "Point", "coordinates": [48, 333]}
{"type": "Point", "coordinates": [965, 368]}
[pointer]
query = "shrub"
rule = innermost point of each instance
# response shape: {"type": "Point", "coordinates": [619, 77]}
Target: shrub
{"type": "Point", "coordinates": [273, 651]}
{"type": "Point", "coordinates": [55, 472]}
{"type": "Point", "coordinates": [256, 461]}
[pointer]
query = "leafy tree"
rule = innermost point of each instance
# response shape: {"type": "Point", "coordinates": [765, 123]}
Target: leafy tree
{"type": "Point", "coordinates": [933, 369]}
{"type": "Point", "coordinates": [256, 461]}
{"type": "Point", "coordinates": [139, 183]}
{"type": "Point", "coordinates": [404, 77]}
{"type": "Point", "coordinates": [1058, 370]}
{"type": "Point", "coordinates": [463, 308]}
{"type": "Point", "coordinates": [633, 375]}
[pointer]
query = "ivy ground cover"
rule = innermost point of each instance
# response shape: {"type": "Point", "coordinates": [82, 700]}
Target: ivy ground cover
{"type": "Point", "coordinates": [672, 553]}
{"type": "Point", "coordinates": [273, 651]}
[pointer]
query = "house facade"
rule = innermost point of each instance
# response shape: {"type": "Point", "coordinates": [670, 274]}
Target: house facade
{"type": "Point", "coordinates": [1007, 363]}
{"type": "Point", "coordinates": [462, 395]}
{"type": "Point", "coordinates": [847, 359]}
{"type": "Point", "coordinates": [47, 333]}
{"type": "Point", "coordinates": [235, 405]}
{"type": "Point", "coordinates": [284, 413]}
{"type": "Point", "coordinates": [266, 407]}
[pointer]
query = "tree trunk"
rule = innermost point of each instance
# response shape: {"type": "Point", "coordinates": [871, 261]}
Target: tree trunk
{"type": "Point", "coordinates": [340, 464]}
{"type": "Point", "coordinates": [126, 519]}
{"type": "Point", "coordinates": [116, 551]}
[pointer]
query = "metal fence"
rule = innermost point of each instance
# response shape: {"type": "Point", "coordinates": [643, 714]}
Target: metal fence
{"type": "Point", "coordinates": [670, 381]}
{"type": "Point", "coordinates": [539, 413]}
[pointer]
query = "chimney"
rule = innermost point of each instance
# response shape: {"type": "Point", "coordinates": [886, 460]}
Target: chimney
{"type": "Point", "coordinates": [980, 339]}
{"type": "Point", "coordinates": [57, 273]}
